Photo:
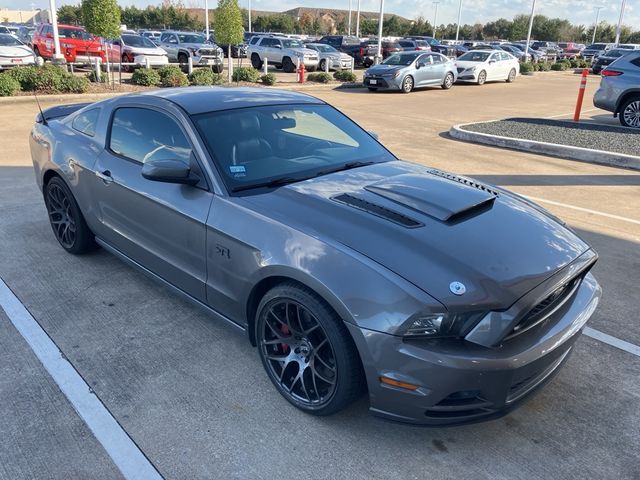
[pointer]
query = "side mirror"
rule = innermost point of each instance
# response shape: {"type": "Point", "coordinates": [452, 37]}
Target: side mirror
{"type": "Point", "coordinates": [168, 171]}
{"type": "Point", "coordinates": [491, 61]}
{"type": "Point", "coordinates": [278, 46]}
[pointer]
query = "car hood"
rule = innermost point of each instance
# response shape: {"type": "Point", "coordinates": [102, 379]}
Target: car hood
{"type": "Point", "coordinates": [383, 68]}
{"type": "Point", "coordinates": [145, 51]}
{"type": "Point", "coordinates": [466, 64]}
{"type": "Point", "coordinates": [430, 228]}
{"type": "Point", "coordinates": [17, 51]}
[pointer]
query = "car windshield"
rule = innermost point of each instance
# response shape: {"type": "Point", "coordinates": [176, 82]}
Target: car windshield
{"type": "Point", "coordinates": [137, 41]}
{"type": "Point", "coordinates": [7, 40]}
{"type": "Point", "coordinates": [291, 43]}
{"type": "Point", "coordinates": [284, 143]}
{"type": "Point", "coordinates": [191, 38]}
{"type": "Point", "coordinates": [616, 53]}
{"type": "Point", "coordinates": [401, 58]}
{"type": "Point", "coordinates": [324, 48]}
{"type": "Point", "coordinates": [74, 33]}
{"type": "Point", "coordinates": [474, 56]}
{"type": "Point", "coordinates": [597, 46]}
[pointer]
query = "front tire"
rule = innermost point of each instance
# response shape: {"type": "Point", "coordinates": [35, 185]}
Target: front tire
{"type": "Point", "coordinates": [255, 61]}
{"type": "Point", "coordinates": [307, 351]}
{"type": "Point", "coordinates": [217, 68]}
{"type": "Point", "coordinates": [448, 81]}
{"type": "Point", "coordinates": [183, 60]}
{"type": "Point", "coordinates": [512, 76]}
{"type": "Point", "coordinates": [482, 77]}
{"type": "Point", "coordinates": [407, 84]}
{"type": "Point", "coordinates": [323, 65]}
{"type": "Point", "coordinates": [630, 113]}
{"type": "Point", "coordinates": [66, 219]}
{"type": "Point", "coordinates": [287, 65]}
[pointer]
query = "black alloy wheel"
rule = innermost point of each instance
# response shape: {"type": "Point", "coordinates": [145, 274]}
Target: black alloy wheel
{"type": "Point", "coordinates": [307, 351]}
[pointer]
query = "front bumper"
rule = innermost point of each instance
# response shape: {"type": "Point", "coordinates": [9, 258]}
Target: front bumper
{"type": "Point", "coordinates": [9, 62]}
{"type": "Point", "coordinates": [154, 60]}
{"type": "Point", "coordinates": [461, 382]}
{"type": "Point", "coordinates": [207, 61]}
{"type": "Point", "coordinates": [383, 83]}
{"type": "Point", "coordinates": [339, 64]}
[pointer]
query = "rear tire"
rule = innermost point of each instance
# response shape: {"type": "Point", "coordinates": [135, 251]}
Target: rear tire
{"type": "Point", "coordinates": [287, 65]}
{"type": "Point", "coordinates": [448, 81]}
{"type": "Point", "coordinates": [66, 219]}
{"type": "Point", "coordinates": [512, 76]}
{"type": "Point", "coordinates": [307, 351]}
{"type": "Point", "coordinates": [630, 113]}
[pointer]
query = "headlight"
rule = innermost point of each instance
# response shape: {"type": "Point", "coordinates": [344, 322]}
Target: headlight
{"type": "Point", "coordinates": [440, 325]}
{"type": "Point", "coordinates": [473, 69]}
{"type": "Point", "coordinates": [193, 49]}
{"type": "Point", "coordinates": [67, 45]}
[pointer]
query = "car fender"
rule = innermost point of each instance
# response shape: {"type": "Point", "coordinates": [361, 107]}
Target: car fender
{"type": "Point", "coordinates": [631, 92]}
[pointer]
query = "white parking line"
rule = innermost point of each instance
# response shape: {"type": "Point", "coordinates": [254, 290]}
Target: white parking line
{"type": "Point", "coordinates": [613, 341]}
{"type": "Point", "coordinates": [586, 210]}
{"type": "Point", "coordinates": [123, 451]}
{"type": "Point", "coordinates": [570, 115]}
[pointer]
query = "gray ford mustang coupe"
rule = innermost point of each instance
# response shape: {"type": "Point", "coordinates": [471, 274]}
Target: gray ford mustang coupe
{"type": "Point", "coordinates": [446, 299]}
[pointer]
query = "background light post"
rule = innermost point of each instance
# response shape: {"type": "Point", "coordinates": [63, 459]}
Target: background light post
{"type": "Point", "coordinates": [595, 25]}
{"type": "Point", "coordinates": [358, 21]}
{"type": "Point", "coordinates": [533, 9]}
{"type": "Point", "coordinates": [249, 16]}
{"type": "Point", "coordinates": [619, 28]}
{"type": "Point", "coordinates": [206, 18]}
{"type": "Point", "coordinates": [56, 37]}
{"type": "Point", "coordinates": [379, 55]}
{"type": "Point", "coordinates": [459, 16]}
{"type": "Point", "coordinates": [349, 27]}
{"type": "Point", "coordinates": [435, 19]}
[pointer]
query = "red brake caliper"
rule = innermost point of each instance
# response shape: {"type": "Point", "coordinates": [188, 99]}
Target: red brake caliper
{"type": "Point", "coordinates": [285, 347]}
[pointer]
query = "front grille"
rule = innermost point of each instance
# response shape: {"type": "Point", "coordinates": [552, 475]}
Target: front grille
{"type": "Point", "coordinates": [465, 181]}
{"type": "Point", "coordinates": [459, 405]}
{"type": "Point", "coordinates": [377, 210]}
{"type": "Point", "coordinates": [546, 307]}
{"type": "Point", "coordinates": [521, 387]}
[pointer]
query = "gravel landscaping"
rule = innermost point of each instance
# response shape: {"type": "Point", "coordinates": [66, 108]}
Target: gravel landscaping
{"type": "Point", "coordinates": [562, 132]}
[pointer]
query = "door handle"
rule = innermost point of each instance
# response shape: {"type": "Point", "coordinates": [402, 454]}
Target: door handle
{"type": "Point", "coordinates": [105, 176]}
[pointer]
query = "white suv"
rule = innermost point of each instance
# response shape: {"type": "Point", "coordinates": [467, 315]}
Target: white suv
{"type": "Point", "coordinates": [283, 52]}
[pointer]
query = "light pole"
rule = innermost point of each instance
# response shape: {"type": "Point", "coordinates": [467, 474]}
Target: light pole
{"type": "Point", "coordinates": [249, 16]}
{"type": "Point", "coordinates": [595, 25]}
{"type": "Point", "coordinates": [349, 27]}
{"type": "Point", "coordinates": [528, 48]}
{"type": "Point", "coordinates": [459, 16]}
{"type": "Point", "coordinates": [206, 18]}
{"type": "Point", "coordinates": [54, 23]}
{"type": "Point", "coordinates": [618, 30]}
{"type": "Point", "coordinates": [379, 55]}
{"type": "Point", "coordinates": [358, 21]}
{"type": "Point", "coordinates": [435, 19]}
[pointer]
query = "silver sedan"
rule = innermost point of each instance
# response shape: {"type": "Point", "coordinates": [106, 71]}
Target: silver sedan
{"type": "Point", "coordinates": [408, 70]}
{"type": "Point", "coordinates": [331, 57]}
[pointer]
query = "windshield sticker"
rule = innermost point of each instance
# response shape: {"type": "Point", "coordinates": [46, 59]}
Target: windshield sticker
{"type": "Point", "coordinates": [238, 170]}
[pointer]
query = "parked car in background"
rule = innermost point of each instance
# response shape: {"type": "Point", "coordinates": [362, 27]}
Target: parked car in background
{"type": "Point", "coordinates": [389, 47]}
{"type": "Point", "coordinates": [436, 46]}
{"type": "Point", "coordinates": [596, 49]}
{"type": "Point", "coordinates": [516, 52]}
{"type": "Point", "coordinates": [460, 49]}
{"type": "Point", "coordinates": [153, 35]}
{"type": "Point", "coordinates": [182, 45]}
{"type": "Point", "coordinates": [570, 49]}
{"type": "Point", "coordinates": [331, 57]}
{"type": "Point", "coordinates": [619, 90]}
{"type": "Point", "coordinates": [549, 48]}
{"type": "Point", "coordinates": [480, 66]}
{"type": "Point", "coordinates": [533, 55]}
{"type": "Point", "coordinates": [5, 30]}
{"type": "Point", "coordinates": [406, 71]}
{"type": "Point", "coordinates": [141, 51]}
{"type": "Point", "coordinates": [409, 44]}
{"type": "Point", "coordinates": [352, 46]}
{"type": "Point", "coordinates": [14, 53]}
{"type": "Point", "coordinates": [283, 52]}
{"type": "Point", "coordinates": [76, 44]}
{"type": "Point", "coordinates": [25, 34]}
{"type": "Point", "coordinates": [629, 46]}
{"type": "Point", "coordinates": [607, 58]}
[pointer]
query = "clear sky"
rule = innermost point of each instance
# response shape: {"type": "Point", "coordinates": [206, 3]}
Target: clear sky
{"type": "Point", "coordinates": [577, 11]}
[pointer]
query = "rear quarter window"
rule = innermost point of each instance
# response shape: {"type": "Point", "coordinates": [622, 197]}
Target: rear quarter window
{"type": "Point", "coordinates": [86, 122]}
{"type": "Point", "coordinates": [636, 61]}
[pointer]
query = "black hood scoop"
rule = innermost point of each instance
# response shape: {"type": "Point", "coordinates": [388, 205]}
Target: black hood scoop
{"type": "Point", "coordinates": [438, 196]}
{"type": "Point", "coordinates": [377, 210]}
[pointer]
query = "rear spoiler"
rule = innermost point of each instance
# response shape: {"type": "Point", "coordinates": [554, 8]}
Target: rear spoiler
{"type": "Point", "coordinates": [59, 111]}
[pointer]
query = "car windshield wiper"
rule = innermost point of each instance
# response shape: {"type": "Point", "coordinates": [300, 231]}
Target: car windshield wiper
{"type": "Point", "coordinates": [276, 182]}
{"type": "Point", "coordinates": [346, 166]}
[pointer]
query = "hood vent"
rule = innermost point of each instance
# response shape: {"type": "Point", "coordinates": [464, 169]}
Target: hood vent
{"type": "Point", "coordinates": [465, 181]}
{"type": "Point", "coordinates": [377, 210]}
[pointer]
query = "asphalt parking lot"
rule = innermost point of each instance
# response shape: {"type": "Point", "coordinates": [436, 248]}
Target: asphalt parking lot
{"type": "Point", "coordinates": [191, 393]}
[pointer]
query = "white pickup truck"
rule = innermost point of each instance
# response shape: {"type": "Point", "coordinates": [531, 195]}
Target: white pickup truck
{"type": "Point", "coordinates": [283, 52]}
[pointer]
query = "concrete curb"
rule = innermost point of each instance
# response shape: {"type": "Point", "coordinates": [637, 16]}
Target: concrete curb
{"type": "Point", "coordinates": [599, 157]}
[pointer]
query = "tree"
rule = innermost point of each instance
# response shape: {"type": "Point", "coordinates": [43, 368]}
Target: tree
{"type": "Point", "coordinates": [70, 14]}
{"type": "Point", "coordinates": [101, 17]}
{"type": "Point", "coordinates": [228, 27]}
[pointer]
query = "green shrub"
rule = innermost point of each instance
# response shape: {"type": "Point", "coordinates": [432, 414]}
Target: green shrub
{"type": "Point", "coordinates": [268, 79]}
{"type": "Point", "coordinates": [527, 67]}
{"type": "Point", "coordinates": [49, 78]}
{"type": "Point", "coordinates": [26, 77]}
{"type": "Point", "coordinates": [91, 76]}
{"type": "Point", "coordinates": [172, 76]}
{"type": "Point", "coordinates": [345, 76]}
{"type": "Point", "coordinates": [246, 74]}
{"type": "Point", "coordinates": [202, 76]}
{"type": "Point", "coordinates": [574, 62]}
{"type": "Point", "coordinates": [559, 66]}
{"type": "Point", "coordinates": [146, 77]}
{"type": "Point", "coordinates": [319, 77]}
{"type": "Point", "coordinates": [74, 84]}
{"type": "Point", "coordinates": [9, 86]}
{"type": "Point", "coordinates": [544, 66]}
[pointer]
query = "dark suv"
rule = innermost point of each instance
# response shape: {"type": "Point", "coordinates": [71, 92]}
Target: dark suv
{"type": "Point", "coordinates": [436, 46]}
{"type": "Point", "coordinates": [362, 55]}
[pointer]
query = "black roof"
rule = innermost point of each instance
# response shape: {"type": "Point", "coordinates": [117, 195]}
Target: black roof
{"type": "Point", "coordinates": [197, 100]}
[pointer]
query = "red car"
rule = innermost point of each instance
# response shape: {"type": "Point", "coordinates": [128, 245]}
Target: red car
{"type": "Point", "coordinates": [76, 44]}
